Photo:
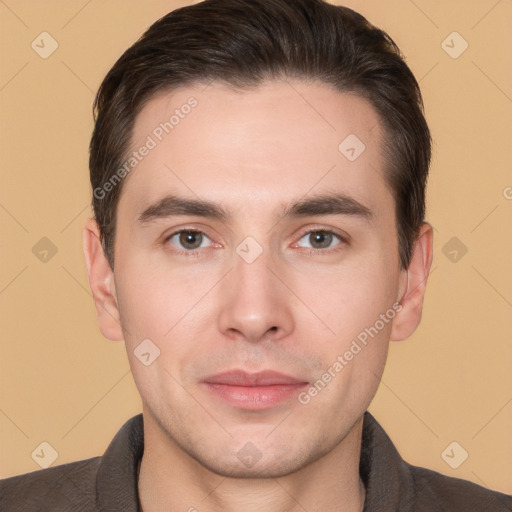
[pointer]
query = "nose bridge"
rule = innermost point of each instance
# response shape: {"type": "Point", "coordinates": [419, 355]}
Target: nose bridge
{"type": "Point", "coordinates": [252, 268]}
{"type": "Point", "coordinates": [253, 282]}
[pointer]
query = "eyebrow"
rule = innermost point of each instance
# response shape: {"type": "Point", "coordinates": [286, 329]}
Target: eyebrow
{"type": "Point", "coordinates": [324, 204]}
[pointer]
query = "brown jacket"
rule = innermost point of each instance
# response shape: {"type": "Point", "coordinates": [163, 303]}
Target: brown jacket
{"type": "Point", "coordinates": [109, 483]}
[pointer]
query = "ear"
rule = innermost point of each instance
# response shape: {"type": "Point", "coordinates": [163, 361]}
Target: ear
{"type": "Point", "coordinates": [101, 282]}
{"type": "Point", "coordinates": [413, 282]}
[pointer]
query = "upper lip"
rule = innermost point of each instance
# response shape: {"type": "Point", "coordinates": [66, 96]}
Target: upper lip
{"type": "Point", "coordinates": [242, 378]}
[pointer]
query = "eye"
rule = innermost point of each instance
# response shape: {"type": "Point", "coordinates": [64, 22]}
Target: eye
{"type": "Point", "coordinates": [187, 239]}
{"type": "Point", "coordinates": [321, 239]}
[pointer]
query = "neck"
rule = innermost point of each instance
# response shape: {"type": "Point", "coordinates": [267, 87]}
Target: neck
{"type": "Point", "coordinates": [170, 479]}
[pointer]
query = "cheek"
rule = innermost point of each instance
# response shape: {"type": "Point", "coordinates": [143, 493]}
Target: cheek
{"type": "Point", "coordinates": [350, 299]}
{"type": "Point", "coordinates": [147, 304]}
{"type": "Point", "coordinates": [171, 308]}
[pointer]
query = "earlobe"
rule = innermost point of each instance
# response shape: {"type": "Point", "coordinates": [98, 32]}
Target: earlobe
{"type": "Point", "coordinates": [413, 286]}
{"type": "Point", "coordinates": [101, 282]}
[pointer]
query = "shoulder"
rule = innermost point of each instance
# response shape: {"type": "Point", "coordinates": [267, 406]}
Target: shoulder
{"type": "Point", "coordinates": [67, 487]}
{"type": "Point", "coordinates": [105, 483]}
{"type": "Point", "coordinates": [394, 484]}
{"type": "Point", "coordinates": [435, 491]}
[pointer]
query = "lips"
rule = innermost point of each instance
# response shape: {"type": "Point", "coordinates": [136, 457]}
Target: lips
{"type": "Point", "coordinates": [253, 391]}
{"type": "Point", "coordinates": [262, 378]}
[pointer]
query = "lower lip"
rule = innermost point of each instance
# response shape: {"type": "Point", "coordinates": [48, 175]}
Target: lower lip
{"type": "Point", "coordinates": [255, 397]}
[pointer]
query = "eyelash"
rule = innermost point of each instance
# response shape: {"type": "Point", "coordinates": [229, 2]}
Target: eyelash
{"type": "Point", "coordinates": [196, 252]}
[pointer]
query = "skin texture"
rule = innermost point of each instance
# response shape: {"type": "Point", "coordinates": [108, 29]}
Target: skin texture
{"type": "Point", "coordinates": [253, 151]}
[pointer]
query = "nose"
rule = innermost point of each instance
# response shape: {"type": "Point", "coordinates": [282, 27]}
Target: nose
{"type": "Point", "coordinates": [255, 305]}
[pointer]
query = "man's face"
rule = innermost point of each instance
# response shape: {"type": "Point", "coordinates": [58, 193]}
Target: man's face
{"type": "Point", "coordinates": [254, 290]}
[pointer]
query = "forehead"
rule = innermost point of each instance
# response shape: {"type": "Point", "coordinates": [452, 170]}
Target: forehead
{"type": "Point", "coordinates": [264, 144]}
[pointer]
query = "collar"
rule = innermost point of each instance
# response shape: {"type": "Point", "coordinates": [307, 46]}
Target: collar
{"type": "Point", "coordinates": [387, 478]}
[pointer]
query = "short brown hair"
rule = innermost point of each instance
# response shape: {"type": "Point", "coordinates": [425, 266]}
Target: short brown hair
{"type": "Point", "coordinates": [243, 43]}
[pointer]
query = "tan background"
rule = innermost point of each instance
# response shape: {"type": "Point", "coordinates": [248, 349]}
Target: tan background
{"type": "Point", "coordinates": [63, 383]}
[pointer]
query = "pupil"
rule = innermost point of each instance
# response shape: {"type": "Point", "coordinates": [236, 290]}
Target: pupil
{"type": "Point", "coordinates": [187, 239]}
{"type": "Point", "coordinates": [324, 239]}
